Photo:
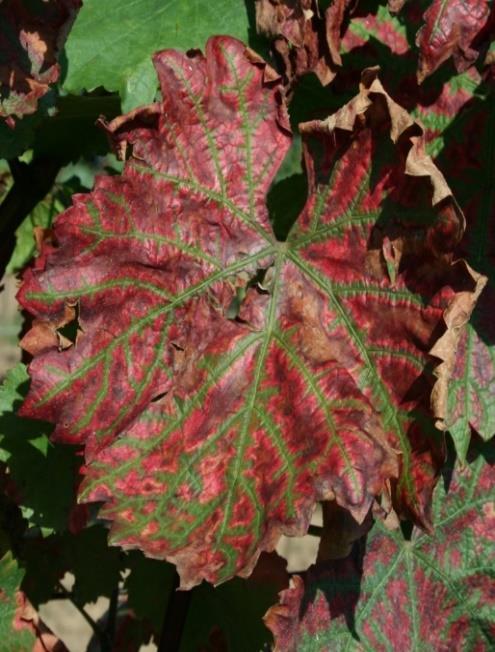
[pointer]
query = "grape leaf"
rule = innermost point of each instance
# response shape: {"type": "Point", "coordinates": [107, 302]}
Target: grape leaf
{"type": "Point", "coordinates": [113, 48]}
{"type": "Point", "coordinates": [449, 31]}
{"type": "Point", "coordinates": [426, 593]}
{"type": "Point", "coordinates": [20, 626]}
{"type": "Point", "coordinates": [470, 140]}
{"type": "Point", "coordinates": [389, 42]}
{"type": "Point", "coordinates": [307, 39]}
{"type": "Point", "coordinates": [221, 380]}
{"type": "Point", "coordinates": [31, 35]}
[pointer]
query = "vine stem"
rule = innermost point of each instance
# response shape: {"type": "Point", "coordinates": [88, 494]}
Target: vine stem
{"type": "Point", "coordinates": [175, 618]}
{"type": "Point", "coordinates": [112, 615]}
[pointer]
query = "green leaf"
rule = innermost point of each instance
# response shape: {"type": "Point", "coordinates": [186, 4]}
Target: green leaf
{"type": "Point", "coordinates": [113, 48]}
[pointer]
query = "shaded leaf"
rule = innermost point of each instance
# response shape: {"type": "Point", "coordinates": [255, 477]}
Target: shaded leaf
{"type": "Point", "coordinates": [13, 142]}
{"type": "Point", "coordinates": [40, 218]}
{"type": "Point", "coordinates": [47, 560]}
{"type": "Point", "coordinates": [72, 131]}
{"type": "Point", "coordinates": [449, 31]}
{"type": "Point", "coordinates": [148, 579]}
{"type": "Point", "coordinates": [31, 35]}
{"type": "Point", "coordinates": [469, 161]}
{"type": "Point", "coordinates": [428, 593]}
{"type": "Point", "coordinates": [230, 613]}
{"type": "Point", "coordinates": [207, 436]}
{"type": "Point", "coordinates": [43, 475]}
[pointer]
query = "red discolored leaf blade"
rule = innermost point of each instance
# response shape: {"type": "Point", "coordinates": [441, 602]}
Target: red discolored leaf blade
{"type": "Point", "coordinates": [449, 30]}
{"type": "Point", "coordinates": [31, 36]}
{"type": "Point", "coordinates": [426, 593]}
{"type": "Point", "coordinates": [207, 155]}
{"type": "Point", "coordinates": [222, 381]}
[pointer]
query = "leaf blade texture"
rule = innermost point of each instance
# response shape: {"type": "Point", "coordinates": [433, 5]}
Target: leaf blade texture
{"type": "Point", "coordinates": [223, 381]}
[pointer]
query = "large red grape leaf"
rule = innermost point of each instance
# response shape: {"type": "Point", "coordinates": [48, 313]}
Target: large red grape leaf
{"type": "Point", "coordinates": [31, 35]}
{"type": "Point", "coordinates": [427, 593]}
{"type": "Point", "coordinates": [223, 381]}
{"type": "Point", "coordinates": [449, 31]}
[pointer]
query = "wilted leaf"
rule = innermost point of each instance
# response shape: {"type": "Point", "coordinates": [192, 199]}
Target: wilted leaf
{"type": "Point", "coordinates": [428, 593]}
{"type": "Point", "coordinates": [31, 36]}
{"type": "Point", "coordinates": [113, 48]}
{"type": "Point", "coordinates": [223, 381]}
{"type": "Point", "coordinates": [307, 39]}
{"type": "Point", "coordinates": [449, 30]}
